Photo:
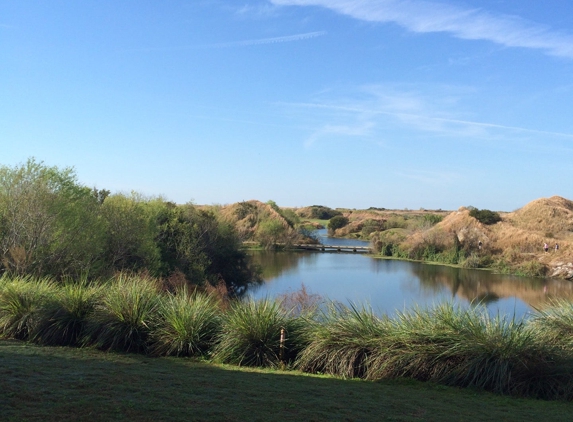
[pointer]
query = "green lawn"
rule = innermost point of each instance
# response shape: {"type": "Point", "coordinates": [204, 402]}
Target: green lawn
{"type": "Point", "coordinates": [62, 384]}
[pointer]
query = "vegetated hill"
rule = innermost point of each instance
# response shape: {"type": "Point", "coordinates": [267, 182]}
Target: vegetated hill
{"type": "Point", "coordinates": [318, 212]}
{"type": "Point", "coordinates": [516, 241]}
{"type": "Point", "coordinates": [260, 222]}
{"type": "Point", "coordinates": [552, 217]}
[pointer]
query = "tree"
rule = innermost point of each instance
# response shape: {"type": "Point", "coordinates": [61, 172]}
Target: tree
{"type": "Point", "coordinates": [48, 222]}
{"type": "Point", "coordinates": [131, 230]}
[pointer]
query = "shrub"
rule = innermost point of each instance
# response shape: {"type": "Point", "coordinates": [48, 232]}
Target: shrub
{"type": "Point", "coordinates": [251, 332]}
{"type": "Point", "coordinates": [485, 216]}
{"type": "Point", "coordinates": [337, 222]}
{"type": "Point", "coordinates": [188, 323]}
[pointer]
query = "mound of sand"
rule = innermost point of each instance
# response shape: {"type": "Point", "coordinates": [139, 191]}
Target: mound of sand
{"type": "Point", "coordinates": [546, 216]}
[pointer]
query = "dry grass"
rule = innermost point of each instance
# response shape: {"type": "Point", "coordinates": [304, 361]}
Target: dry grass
{"type": "Point", "coordinates": [247, 217]}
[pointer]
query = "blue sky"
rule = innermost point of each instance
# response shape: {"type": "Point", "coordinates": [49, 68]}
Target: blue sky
{"type": "Point", "coordinates": [345, 103]}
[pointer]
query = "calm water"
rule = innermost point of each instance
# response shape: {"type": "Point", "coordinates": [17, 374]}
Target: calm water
{"type": "Point", "coordinates": [389, 285]}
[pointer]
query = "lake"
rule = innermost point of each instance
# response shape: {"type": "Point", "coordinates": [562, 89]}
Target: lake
{"type": "Point", "coordinates": [390, 285]}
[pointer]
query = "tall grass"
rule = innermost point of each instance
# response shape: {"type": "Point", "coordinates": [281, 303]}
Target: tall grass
{"type": "Point", "coordinates": [63, 319]}
{"type": "Point", "coordinates": [555, 324]}
{"type": "Point", "coordinates": [444, 344]}
{"type": "Point", "coordinates": [251, 334]}
{"type": "Point", "coordinates": [188, 323]}
{"type": "Point", "coordinates": [468, 348]}
{"type": "Point", "coordinates": [21, 301]}
{"type": "Point", "coordinates": [341, 341]}
{"type": "Point", "coordinates": [124, 318]}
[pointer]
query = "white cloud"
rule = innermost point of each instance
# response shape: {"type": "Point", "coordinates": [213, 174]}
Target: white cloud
{"type": "Point", "coordinates": [473, 24]}
{"type": "Point", "coordinates": [242, 43]}
{"type": "Point", "coordinates": [274, 40]}
{"type": "Point", "coordinates": [423, 112]}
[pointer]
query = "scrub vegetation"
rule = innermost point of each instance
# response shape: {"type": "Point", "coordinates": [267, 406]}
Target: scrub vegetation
{"type": "Point", "coordinates": [52, 226]}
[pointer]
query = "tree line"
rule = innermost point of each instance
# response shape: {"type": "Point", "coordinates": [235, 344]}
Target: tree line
{"type": "Point", "coordinates": [51, 225]}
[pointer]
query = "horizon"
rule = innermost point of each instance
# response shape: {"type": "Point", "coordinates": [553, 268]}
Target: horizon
{"type": "Point", "coordinates": [348, 103]}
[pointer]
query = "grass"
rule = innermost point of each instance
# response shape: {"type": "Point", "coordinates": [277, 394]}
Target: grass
{"type": "Point", "coordinates": [22, 300]}
{"type": "Point", "coordinates": [62, 320]}
{"type": "Point", "coordinates": [188, 323]}
{"type": "Point", "coordinates": [64, 384]}
{"type": "Point", "coordinates": [251, 334]}
{"type": "Point", "coordinates": [125, 316]}
{"type": "Point", "coordinates": [445, 344]}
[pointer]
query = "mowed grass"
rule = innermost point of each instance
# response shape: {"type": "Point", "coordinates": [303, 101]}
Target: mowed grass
{"type": "Point", "coordinates": [66, 384]}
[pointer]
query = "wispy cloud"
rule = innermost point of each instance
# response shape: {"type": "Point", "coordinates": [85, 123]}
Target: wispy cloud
{"type": "Point", "coordinates": [242, 43]}
{"type": "Point", "coordinates": [334, 131]}
{"type": "Point", "coordinates": [473, 24]}
{"type": "Point", "coordinates": [261, 10]}
{"type": "Point", "coordinates": [274, 40]}
{"type": "Point", "coordinates": [385, 112]}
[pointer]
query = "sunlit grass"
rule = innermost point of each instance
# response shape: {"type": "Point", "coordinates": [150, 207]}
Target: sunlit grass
{"type": "Point", "coordinates": [188, 323]}
{"type": "Point", "coordinates": [63, 319]}
{"type": "Point", "coordinates": [251, 335]}
{"type": "Point", "coordinates": [21, 301]}
{"type": "Point", "coordinates": [123, 319]}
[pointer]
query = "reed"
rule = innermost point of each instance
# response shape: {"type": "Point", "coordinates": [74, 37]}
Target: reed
{"type": "Point", "coordinates": [188, 323]}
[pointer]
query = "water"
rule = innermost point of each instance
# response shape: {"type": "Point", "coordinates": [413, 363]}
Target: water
{"type": "Point", "coordinates": [390, 285]}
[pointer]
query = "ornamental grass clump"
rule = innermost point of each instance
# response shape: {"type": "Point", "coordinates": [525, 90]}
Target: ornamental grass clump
{"type": "Point", "coordinates": [187, 324]}
{"type": "Point", "coordinates": [21, 301]}
{"type": "Point", "coordinates": [555, 324]}
{"type": "Point", "coordinates": [124, 318]}
{"type": "Point", "coordinates": [341, 341]}
{"type": "Point", "coordinates": [468, 348]}
{"type": "Point", "coordinates": [251, 335]}
{"type": "Point", "coordinates": [62, 320]}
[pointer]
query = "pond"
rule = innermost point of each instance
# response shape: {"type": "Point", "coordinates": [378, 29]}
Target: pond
{"type": "Point", "coordinates": [390, 285]}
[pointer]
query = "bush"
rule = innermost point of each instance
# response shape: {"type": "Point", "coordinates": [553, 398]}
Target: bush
{"type": "Point", "coordinates": [485, 216]}
{"type": "Point", "coordinates": [337, 222]}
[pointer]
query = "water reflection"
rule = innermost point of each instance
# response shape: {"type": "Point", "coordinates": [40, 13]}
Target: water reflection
{"type": "Point", "coordinates": [388, 285]}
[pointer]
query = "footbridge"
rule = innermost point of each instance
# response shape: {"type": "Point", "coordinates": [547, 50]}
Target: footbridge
{"type": "Point", "coordinates": [332, 248]}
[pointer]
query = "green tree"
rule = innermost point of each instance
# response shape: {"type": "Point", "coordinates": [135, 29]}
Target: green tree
{"type": "Point", "coordinates": [131, 230]}
{"type": "Point", "coordinates": [48, 222]}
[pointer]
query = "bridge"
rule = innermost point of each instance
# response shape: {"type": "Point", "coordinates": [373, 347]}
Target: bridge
{"type": "Point", "coordinates": [332, 248]}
